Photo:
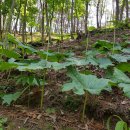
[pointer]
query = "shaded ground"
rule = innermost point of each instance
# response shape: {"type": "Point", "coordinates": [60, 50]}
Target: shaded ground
{"type": "Point", "coordinates": [32, 119]}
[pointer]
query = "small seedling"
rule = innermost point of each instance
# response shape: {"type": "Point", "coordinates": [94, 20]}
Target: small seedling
{"type": "Point", "coordinates": [2, 122]}
{"type": "Point", "coordinates": [120, 125]}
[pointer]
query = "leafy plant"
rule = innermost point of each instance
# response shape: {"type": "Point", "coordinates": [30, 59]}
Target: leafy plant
{"type": "Point", "coordinates": [30, 81]}
{"type": "Point", "coordinates": [122, 80]}
{"type": "Point", "coordinates": [120, 57]}
{"type": "Point", "coordinates": [106, 46]}
{"type": "Point", "coordinates": [85, 84]}
{"type": "Point", "coordinates": [81, 83]}
{"type": "Point", "coordinates": [9, 98]}
{"type": "Point", "coordinates": [120, 125]}
{"type": "Point", "coordinates": [7, 66]}
{"type": "Point", "coordinates": [53, 56]}
{"type": "Point", "coordinates": [10, 53]}
{"type": "Point", "coordinates": [2, 122]}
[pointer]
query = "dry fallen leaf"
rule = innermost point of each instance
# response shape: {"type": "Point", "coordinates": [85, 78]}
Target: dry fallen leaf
{"type": "Point", "coordinates": [39, 116]}
{"type": "Point", "coordinates": [124, 102]}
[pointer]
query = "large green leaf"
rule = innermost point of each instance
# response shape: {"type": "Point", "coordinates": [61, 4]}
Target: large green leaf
{"type": "Point", "coordinates": [104, 62]}
{"type": "Point", "coordinates": [7, 66]}
{"type": "Point", "coordinates": [125, 67]}
{"type": "Point", "coordinates": [126, 50]}
{"type": "Point", "coordinates": [100, 44]}
{"type": "Point", "coordinates": [79, 61]}
{"type": "Point", "coordinates": [9, 98]}
{"type": "Point", "coordinates": [120, 58]}
{"type": "Point", "coordinates": [120, 77]}
{"type": "Point", "coordinates": [10, 53]}
{"type": "Point", "coordinates": [43, 64]}
{"type": "Point", "coordinates": [57, 66]}
{"type": "Point", "coordinates": [126, 88]}
{"type": "Point", "coordinates": [32, 66]}
{"type": "Point", "coordinates": [81, 83]}
{"type": "Point", "coordinates": [53, 56]}
{"type": "Point", "coordinates": [91, 61]}
{"type": "Point", "coordinates": [13, 39]}
{"type": "Point", "coordinates": [92, 53]}
{"type": "Point", "coordinates": [122, 80]}
{"type": "Point", "coordinates": [2, 122]}
{"type": "Point", "coordinates": [104, 45]}
{"type": "Point", "coordinates": [29, 80]}
{"type": "Point", "coordinates": [27, 48]}
{"type": "Point", "coordinates": [121, 125]}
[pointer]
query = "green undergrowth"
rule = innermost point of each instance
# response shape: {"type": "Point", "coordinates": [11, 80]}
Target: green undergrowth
{"type": "Point", "coordinates": [104, 55]}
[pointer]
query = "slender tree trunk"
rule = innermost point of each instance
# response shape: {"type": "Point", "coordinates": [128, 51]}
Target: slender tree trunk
{"type": "Point", "coordinates": [117, 10]}
{"type": "Point", "coordinates": [4, 18]}
{"type": "Point", "coordinates": [68, 15]}
{"type": "Point", "coordinates": [47, 19]}
{"type": "Point", "coordinates": [20, 26]}
{"type": "Point", "coordinates": [15, 26]}
{"type": "Point", "coordinates": [122, 9]}
{"type": "Point", "coordinates": [64, 27]}
{"type": "Point", "coordinates": [77, 19]}
{"type": "Point", "coordinates": [86, 18]}
{"type": "Point", "coordinates": [127, 9]}
{"type": "Point", "coordinates": [31, 34]}
{"type": "Point", "coordinates": [62, 11]}
{"type": "Point", "coordinates": [81, 24]}
{"type": "Point", "coordinates": [24, 23]}
{"type": "Point", "coordinates": [102, 9]}
{"type": "Point", "coordinates": [74, 26]}
{"type": "Point", "coordinates": [77, 24]}
{"type": "Point", "coordinates": [0, 22]}
{"type": "Point", "coordinates": [72, 20]}
{"type": "Point", "coordinates": [9, 22]}
{"type": "Point", "coordinates": [50, 20]}
{"type": "Point", "coordinates": [42, 30]}
{"type": "Point", "coordinates": [97, 16]}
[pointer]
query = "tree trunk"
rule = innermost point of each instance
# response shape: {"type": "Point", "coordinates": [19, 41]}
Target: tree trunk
{"type": "Point", "coordinates": [47, 19]}
{"type": "Point", "coordinates": [9, 22]}
{"type": "Point", "coordinates": [24, 23]}
{"type": "Point", "coordinates": [20, 27]}
{"type": "Point", "coordinates": [74, 26]}
{"type": "Point", "coordinates": [31, 34]}
{"type": "Point", "coordinates": [42, 24]}
{"type": "Point", "coordinates": [117, 10]}
{"type": "Point", "coordinates": [77, 25]}
{"type": "Point", "coordinates": [72, 20]}
{"type": "Point", "coordinates": [0, 23]}
{"type": "Point", "coordinates": [50, 20]}
{"type": "Point", "coordinates": [97, 16]}
{"type": "Point", "coordinates": [77, 18]}
{"type": "Point", "coordinates": [122, 9]}
{"type": "Point", "coordinates": [127, 9]}
{"type": "Point", "coordinates": [15, 26]}
{"type": "Point", "coordinates": [102, 9]}
{"type": "Point", "coordinates": [68, 15]}
{"type": "Point", "coordinates": [62, 11]}
{"type": "Point", "coordinates": [86, 18]}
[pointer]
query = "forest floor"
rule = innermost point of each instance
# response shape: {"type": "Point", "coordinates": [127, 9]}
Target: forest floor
{"type": "Point", "coordinates": [63, 111]}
